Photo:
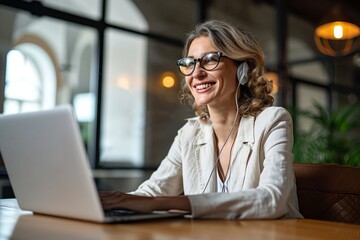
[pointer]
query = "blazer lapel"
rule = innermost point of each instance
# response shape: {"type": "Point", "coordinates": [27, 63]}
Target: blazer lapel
{"type": "Point", "coordinates": [205, 159]}
{"type": "Point", "coordinates": [241, 153]}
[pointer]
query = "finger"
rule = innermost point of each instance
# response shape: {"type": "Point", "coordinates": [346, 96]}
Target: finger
{"type": "Point", "coordinates": [112, 200]}
{"type": "Point", "coordinates": [108, 195]}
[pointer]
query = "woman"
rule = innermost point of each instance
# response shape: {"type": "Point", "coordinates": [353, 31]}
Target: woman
{"type": "Point", "coordinates": [234, 160]}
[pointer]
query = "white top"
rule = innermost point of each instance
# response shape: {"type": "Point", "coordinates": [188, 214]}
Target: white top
{"type": "Point", "coordinates": [262, 181]}
{"type": "Point", "coordinates": [222, 186]}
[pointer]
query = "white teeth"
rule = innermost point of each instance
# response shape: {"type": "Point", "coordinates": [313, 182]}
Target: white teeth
{"type": "Point", "coordinates": [203, 86]}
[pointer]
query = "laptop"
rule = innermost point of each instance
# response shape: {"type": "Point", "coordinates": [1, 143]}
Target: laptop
{"type": "Point", "coordinates": [49, 171]}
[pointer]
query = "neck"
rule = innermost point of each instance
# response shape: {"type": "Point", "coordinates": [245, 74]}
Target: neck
{"type": "Point", "coordinates": [223, 121]}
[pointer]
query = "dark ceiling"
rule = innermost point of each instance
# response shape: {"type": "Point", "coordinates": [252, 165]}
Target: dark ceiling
{"type": "Point", "coordinates": [316, 11]}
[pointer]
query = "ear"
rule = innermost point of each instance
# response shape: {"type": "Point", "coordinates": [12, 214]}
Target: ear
{"type": "Point", "coordinates": [242, 73]}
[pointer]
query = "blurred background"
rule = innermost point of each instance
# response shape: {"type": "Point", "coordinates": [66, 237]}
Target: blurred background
{"type": "Point", "coordinates": [115, 62]}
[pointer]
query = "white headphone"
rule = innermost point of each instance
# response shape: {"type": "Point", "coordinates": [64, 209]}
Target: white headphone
{"type": "Point", "coordinates": [242, 73]}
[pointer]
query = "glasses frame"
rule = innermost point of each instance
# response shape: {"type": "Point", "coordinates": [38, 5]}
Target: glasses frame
{"type": "Point", "coordinates": [200, 60]}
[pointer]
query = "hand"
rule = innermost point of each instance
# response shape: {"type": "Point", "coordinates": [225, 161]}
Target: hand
{"type": "Point", "coordinates": [111, 200]}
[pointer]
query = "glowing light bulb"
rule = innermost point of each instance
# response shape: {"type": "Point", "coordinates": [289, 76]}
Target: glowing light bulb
{"type": "Point", "coordinates": [168, 81]}
{"type": "Point", "coordinates": [338, 31]}
{"type": "Point", "coordinates": [123, 82]}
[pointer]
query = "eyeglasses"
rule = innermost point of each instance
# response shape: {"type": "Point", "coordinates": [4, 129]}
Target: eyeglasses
{"type": "Point", "coordinates": [208, 62]}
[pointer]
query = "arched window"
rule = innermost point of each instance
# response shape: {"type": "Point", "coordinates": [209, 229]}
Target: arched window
{"type": "Point", "coordinates": [23, 87]}
{"type": "Point", "coordinates": [30, 81]}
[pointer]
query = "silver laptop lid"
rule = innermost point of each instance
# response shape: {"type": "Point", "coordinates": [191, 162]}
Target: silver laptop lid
{"type": "Point", "coordinates": [47, 164]}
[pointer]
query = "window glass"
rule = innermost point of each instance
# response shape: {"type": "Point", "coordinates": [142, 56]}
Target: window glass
{"type": "Point", "coordinates": [49, 63]}
{"type": "Point", "coordinates": [25, 88]}
{"type": "Point", "coordinates": [89, 8]}
{"type": "Point", "coordinates": [313, 95]}
{"type": "Point", "coordinates": [314, 71]}
{"type": "Point", "coordinates": [140, 116]}
{"type": "Point", "coordinates": [124, 99]}
{"type": "Point", "coordinates": [308, 96]}
{"type": "Point", "coordinates": [126, 13]}
{"type": "Point", "coordinates": [22, 78]}
{"type": "Point", "coordinates": [167, 18]}
{"type": "Point", "coordinates": [165, 115]}
{"type": "Point", "coordinates": [346, 71]}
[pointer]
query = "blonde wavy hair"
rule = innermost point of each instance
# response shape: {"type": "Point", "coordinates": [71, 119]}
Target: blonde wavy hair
{"type": "Point", "coordinates": [238, 45]}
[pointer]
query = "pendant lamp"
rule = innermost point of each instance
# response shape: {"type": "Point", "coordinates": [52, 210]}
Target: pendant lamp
{"type": "Point", "coordinates": [337, 35]}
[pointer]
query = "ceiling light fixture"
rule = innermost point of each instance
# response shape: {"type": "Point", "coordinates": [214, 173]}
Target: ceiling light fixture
{"type": "Point", "coordinates": [337, 36]}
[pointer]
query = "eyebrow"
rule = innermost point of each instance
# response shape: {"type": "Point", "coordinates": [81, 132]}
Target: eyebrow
{"type": "Point", "coordinates": [202, 54]}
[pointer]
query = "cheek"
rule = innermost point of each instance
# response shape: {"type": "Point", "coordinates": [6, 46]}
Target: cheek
{"type": "Point", "coordinates": [188, 82]}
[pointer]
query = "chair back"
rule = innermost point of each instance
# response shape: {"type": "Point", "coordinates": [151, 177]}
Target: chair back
{"type": "Point", "coordinates": [328, 192]}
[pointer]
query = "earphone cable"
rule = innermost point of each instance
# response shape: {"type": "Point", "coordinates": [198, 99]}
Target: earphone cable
{"type": "Point", "coordinates": [227, 138]}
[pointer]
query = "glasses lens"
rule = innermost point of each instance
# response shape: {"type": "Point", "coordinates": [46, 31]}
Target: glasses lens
{"type": "Point", "coordinates": [210, 61]}
{"type": "Point", "coordinates": [186, 65]}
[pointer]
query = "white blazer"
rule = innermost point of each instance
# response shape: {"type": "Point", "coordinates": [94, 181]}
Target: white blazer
{"type": "Point", "coordinates": [261, 178]}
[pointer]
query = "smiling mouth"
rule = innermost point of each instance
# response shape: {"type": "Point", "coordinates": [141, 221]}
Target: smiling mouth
{"type": "Point", "coordinates": [204, 86]}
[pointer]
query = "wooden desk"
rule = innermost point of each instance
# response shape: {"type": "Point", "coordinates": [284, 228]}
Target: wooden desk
{"type": "Point", "coordinates": [17, 224]}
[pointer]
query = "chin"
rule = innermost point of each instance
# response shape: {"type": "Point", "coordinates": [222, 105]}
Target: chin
{"type": "Point", "coordinates": [202, 102]}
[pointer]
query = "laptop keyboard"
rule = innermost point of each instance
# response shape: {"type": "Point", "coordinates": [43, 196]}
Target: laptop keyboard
{"type": "Point", "coordinates": [119, 212]}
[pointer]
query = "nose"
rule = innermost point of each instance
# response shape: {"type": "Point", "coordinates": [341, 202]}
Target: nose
{"type": "Point", "coordinates": [199, 72]}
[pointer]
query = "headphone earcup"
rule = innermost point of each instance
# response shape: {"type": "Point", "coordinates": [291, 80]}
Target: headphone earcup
{"type": "Point", "coordinates": [242, 72]}
{"type": "Point", "coordinates": [238, 73]}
